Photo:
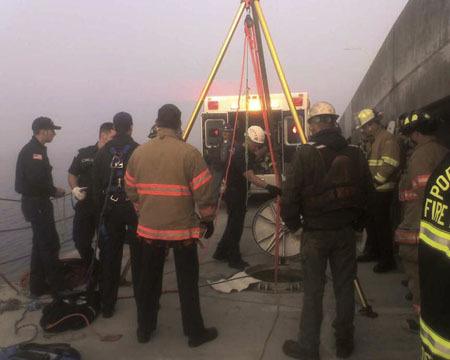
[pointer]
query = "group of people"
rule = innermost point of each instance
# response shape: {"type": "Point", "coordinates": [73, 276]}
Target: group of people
{"type": "Point", "coordinates": [160, 195]}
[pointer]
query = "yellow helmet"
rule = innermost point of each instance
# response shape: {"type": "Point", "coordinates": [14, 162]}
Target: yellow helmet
{"type": "Point", "coordinates": [322, 108]}
{"type": "Point", "coordinates": [367, 115]}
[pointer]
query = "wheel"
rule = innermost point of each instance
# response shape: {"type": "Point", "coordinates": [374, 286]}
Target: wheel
{"type": "Point", "coordinates": [263, 228]}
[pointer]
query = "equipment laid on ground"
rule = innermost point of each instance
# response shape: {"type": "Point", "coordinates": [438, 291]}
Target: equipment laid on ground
{"type": "Point", "coordinates": [34, 351]}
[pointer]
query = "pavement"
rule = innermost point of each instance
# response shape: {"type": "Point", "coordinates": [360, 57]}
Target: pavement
{"type": "Point", "coordinates": [252, 324]}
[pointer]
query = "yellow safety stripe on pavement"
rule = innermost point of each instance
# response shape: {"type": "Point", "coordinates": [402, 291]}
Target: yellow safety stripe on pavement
{"type": "Point", "coordinates": [437, 344]}
{"type": "Point", "coordinates": [390, 161]}
{"type": "Point", "coordinates": [375, 162]}
{"type": "Point", "coordinates": [380, 178]}
{"type": "Point", "coordinates": [434, 237]}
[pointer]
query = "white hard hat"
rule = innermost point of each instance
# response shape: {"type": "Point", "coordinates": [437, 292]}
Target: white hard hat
{"type": "Point", "coordinates": [322, 108]}
{"type": "Point", "coordinates": [256, 134]}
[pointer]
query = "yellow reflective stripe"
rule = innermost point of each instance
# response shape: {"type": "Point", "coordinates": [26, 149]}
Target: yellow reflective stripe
{"type": "Point", "coordinates": [380, 178]}
{"type": "Point", "coordinates": [437, 344]}
{"type": "Point", "coordinates": [375, 162]}
{"type": "Point", "coordinates": [435, 237]}
{"type": "Point", "coordinates": [387, 186]}
{"type": "Point", "coordinates": [390, 161]}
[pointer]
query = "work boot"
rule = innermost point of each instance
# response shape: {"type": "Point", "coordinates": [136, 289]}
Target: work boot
{"type": "Point", "coordinates": [367, 257]}
{"type": "Point", "coordinates": [344, 348]}
{"type": "Point", "coordinates": [238, 264]}
{"type": "Point", "coordinates": [208, 334]}
{"type": "Point", "coordinates": [143, 336]}
{"type": "Point", "coordinates": [384, 267]}
{"type": "Point", "coordinates": [220, 255]}
{"type": "Point", "coordinates": [107, 312]}
{"type": "Point", "coordinates": [293, 349]}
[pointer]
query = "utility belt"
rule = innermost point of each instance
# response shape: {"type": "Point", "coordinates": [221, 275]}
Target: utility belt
{"type": "Point", "coordinates": [172, 243]}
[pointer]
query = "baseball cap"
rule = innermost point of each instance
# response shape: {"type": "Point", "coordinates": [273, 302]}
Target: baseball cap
{"type": "Point", "coordinates": [44, 123]}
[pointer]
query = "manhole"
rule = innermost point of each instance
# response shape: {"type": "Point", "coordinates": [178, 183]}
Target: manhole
{"type": "Point", "coordinates": [289, 278]}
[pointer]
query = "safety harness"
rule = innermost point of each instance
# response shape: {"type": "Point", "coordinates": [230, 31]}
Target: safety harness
{"type": "Point", "coordinates": [116, 187]}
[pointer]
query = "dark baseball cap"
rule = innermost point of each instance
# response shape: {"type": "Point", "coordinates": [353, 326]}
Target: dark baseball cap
{"type": "Point", "coordinates": [169, 116]}
{"type": "Point", "coordinates": [44, 123]}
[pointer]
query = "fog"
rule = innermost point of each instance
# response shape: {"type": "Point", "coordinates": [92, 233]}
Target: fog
{"type": "Point", "coordinates": [80, 62]}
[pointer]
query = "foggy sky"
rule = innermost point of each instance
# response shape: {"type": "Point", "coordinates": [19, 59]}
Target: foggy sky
{"type": "Point", "coordinates": [82, 61]}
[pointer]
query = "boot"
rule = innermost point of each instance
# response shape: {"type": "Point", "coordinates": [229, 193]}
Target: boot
{"type": "Point", "coordinates": [209, 334]}
{"type": "Point", "coordinates": [143, 336]}
{"type": "Point", "coordinates": [344, 348]}
{"type": "Point", "coordinates": [293, 349]}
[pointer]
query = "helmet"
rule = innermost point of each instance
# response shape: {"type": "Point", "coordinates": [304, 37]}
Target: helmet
{"type": "Point", "coordinates": [419, 121]}
{"type": "Point", "coordinates": [256, 134]}
{"type": "Point", "coordinates": [367, 115]}
{"type": "Point", "coordinates": [322, 108]}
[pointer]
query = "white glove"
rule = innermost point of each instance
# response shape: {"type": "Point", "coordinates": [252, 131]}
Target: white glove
{"type": "Point", "coordinates": [79, 193]}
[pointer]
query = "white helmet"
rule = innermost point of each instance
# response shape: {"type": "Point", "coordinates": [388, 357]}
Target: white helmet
{"type": "Point", "coordinates": [256, 134]}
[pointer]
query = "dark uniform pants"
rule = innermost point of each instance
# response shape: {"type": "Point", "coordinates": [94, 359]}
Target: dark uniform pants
{"type": "Point", "coordinates": [229, 243]}
{"type": "Point", "coordinates": [379, 229]}
{"type": "Point", "coordinates": [319, 247]}
{"type": "Point", "coordinates": [45, 265]}
{"type": "Point", "coordinates": [84, 226]}
{"type": "Point", "coordinates": [149, 284]}
{"type": "Point", "coordinates": [119, 226]}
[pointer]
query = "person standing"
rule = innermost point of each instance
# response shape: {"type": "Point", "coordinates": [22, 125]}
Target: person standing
{"type": "Point", "coordinates": [34, 182]}
{"type": "Point", "coordinates": [384, 163]}
{"type": "Point", "coordinates": [434, 265]}
{"type": "Point", "coordinates": [420, 128]}
{"type": "Point", "coordinates": [80, 181]}
{"type": "Point", "coordinates": [118, 219]}
{"type": "Point", "coordinates": [241, 175]}
{"type": "Point", "coordinates": [326, 192]}
{"type": "Point", "coordinates": [167, 180]}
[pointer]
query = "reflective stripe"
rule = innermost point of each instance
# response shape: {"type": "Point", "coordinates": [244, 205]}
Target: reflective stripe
{"type": "Point", "coordinates": [163, 189]}
{"type": "Point", "coordinates": [407, 195]}
{"type": "Point", "coordinates": [200, 179]}
{"type": "Point", "coordinates": [420, 181]}
{"type": "Point", "coordinates": [130, 180]}
{"type": "Point", "coordinates": [380, 178]}
{"type": "Point", "coordinates": [385, 187]}
{"type": "Point", "coordinates": [437, 344]}
{"type": "Point", "coordinates": [173, 235]}
{"type": "Point", "coordinates": [434, 237]}
{"type": "Point", "coordinates": [410, 237]}
{"type": "Point", "coordinates": [390, 161]}
{"type": "Point", "coordinates": [375, 162]}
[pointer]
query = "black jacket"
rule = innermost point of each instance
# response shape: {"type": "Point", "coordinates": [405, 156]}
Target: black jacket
{"type": "Point", "coordinates": [307, 172]}
{"type": "Point", "coordinates": [81, 167]}
{"type": "Point", "coordinates": [34, 172]}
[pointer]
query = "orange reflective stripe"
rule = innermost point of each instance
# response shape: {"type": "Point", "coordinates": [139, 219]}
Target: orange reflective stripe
{"type": "Point", "coordinates": [420, 181]}
{"type": "Point", "coordinates": [163, 189]}
{"type": "Point", "coordinates": [410, 237]}
{"type": "Point", "coordinates": [407, 195]}
{"type": "Point", "coordinates": [157, 234]}
{"type": "Point", "coordinates": [201, 179]}
{"type": "Point", "coordinates": [130, 180]}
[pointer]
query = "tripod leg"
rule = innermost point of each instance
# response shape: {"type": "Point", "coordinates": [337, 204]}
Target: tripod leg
{"type": "Point", "coordinates": [366, 309]}
{"type": "Point", "coordinates": [214, 71]}
{"type": "Point", "coordinates": [279, 69]}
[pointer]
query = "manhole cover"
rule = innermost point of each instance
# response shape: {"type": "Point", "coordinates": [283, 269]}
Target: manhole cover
{"type": "Point", "coordinates": [289, 279]}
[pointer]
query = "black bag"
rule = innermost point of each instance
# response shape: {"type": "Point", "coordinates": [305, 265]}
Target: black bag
{"type": "Point", "coordinates": [33, 351]}
{"type": "Point", "coordinates": [71, 312]}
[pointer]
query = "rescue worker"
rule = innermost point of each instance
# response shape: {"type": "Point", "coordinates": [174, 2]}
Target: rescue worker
{"type": "Point", "coordinates": [384, 162]}
{"type": "Point", "coordinates": [167, 179]}
{"type": "Point", "coordinates": [420, 128]}
{"type": "Point", "coordinates": [434, 265]}
{"type": "Point", "coordinates": [34, 182]}
{"type": "Point", "coordinates": [326, 192]}
{"type": "Point", "coordinates": [241, 175]}
{"type": "Point", "coordinates": [118, 219]}
{"type": "Point", "coordinates": [80, 181]}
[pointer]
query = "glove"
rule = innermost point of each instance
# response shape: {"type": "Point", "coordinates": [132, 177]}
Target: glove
{"type": "Point", "coordinates": [273, 190]}
{"type": "Point", "coordinates": [79, 193]}
{"type": "Point", "coordinates": [209, 228]}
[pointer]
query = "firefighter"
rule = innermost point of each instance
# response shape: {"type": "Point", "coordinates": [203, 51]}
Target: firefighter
{"type": "Point", "coordinates": [419, 127]}
{"type": "Point", "coordinates": [241, 174]}
{"type": "Point", "coordinates": [434, 265]}
{"type": "Point", "coordinates": [167, 179]}
{"type": "Point", "coordinates": [80, 181]}
{"type": "Point", "coordinates": [326, 192]}
{"type": "Point", "coordinates": [35, 183]}
{"type": "Point", "coordinates": [384, 162]}
{"type": "Point", "coordinates": [118, 219]}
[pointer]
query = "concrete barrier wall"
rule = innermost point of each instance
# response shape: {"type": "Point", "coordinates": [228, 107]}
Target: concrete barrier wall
{"type": "Point", "coordinates": [412, 67]}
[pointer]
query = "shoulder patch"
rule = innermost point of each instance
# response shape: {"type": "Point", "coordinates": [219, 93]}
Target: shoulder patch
{"type": "Point", "coordinates": [37, 157]}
